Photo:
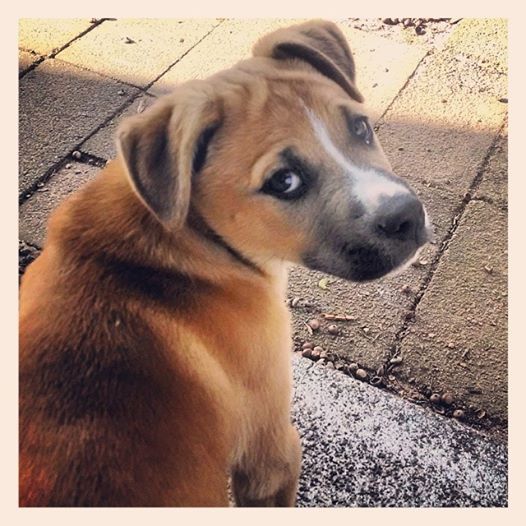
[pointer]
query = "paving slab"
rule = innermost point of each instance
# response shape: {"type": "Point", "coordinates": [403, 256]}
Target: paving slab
{"type": "Point", "coordinates": [445, 120]}
{"type": "Point", "coordinates": [34, 212]}
{"type": "Point", "coordinates": [229, 43]}
{"type": "Point", "coordinates": [60, 105]}
{"type": "Point", "coordinates": [47, 35]}
{"type": "Point", "coordinates": [383, 66]}
{"type": "Point", "coordinates": [494, 184]}
{"type": "Point", "coordinates": [491, 32]}
{"type": "Point", "coordinates": [458, 342]}
{"type": "Point", "coordinates": [26, 59]}
{"type": "Point", "coordinates": [137, 51]}
{"type": "Point", "coordinates": [102, 144]}
{"type": "Point", "coordinates": [365, 447]}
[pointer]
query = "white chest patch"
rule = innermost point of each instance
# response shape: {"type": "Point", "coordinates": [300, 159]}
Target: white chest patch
{"type": "Point", "coordinates": [370, 186]}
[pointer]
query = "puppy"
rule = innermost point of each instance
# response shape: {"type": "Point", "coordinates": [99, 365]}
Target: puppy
{"type": "Point", "coordinates": [154, 338]}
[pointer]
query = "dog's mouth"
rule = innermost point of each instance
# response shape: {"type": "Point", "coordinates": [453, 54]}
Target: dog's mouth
{"type": "Point", "coordinates": [363, 261]}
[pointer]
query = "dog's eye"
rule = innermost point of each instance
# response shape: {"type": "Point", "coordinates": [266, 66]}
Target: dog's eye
{"type": "Point", "coordinates": [284, 184]}
{"type": "Point", "coordinates": [361, 129]}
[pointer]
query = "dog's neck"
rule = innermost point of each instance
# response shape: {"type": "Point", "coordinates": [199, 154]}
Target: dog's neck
{"type": "Point", "coordinates": [133, 235]}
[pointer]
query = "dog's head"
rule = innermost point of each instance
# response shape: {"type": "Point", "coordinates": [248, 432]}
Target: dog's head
{"type": "Point", "coordinates": [276, 159]}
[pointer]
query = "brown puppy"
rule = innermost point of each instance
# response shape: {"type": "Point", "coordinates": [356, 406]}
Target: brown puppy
{"type": "Point", "coordinates": [154, 338]}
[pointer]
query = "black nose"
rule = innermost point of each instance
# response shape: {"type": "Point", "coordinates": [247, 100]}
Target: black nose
{"type": "Point", "coordinates": [402, 217]}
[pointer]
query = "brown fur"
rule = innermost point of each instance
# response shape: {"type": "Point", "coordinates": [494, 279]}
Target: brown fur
{"type": "Point", "coordinates": [153, 362]}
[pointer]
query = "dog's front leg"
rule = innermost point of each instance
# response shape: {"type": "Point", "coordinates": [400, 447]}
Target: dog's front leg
{"type": "Point", "coordinates": [268, 474]}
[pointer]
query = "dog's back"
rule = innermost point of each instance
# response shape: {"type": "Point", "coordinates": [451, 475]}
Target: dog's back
{"type": "Point", "coordinates": [105, 418]}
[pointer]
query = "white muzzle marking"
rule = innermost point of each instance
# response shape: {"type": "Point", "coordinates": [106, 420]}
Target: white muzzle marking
{"type": "Point", "coordinates": [370, 186]}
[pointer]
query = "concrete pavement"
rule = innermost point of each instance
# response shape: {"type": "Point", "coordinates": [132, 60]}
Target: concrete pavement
{"type": "Point", "coordinates": [440, 329]}
{"type": "Point", "coordinates": [365, 447]}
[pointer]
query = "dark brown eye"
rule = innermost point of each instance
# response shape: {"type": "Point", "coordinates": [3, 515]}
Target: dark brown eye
{"type": "Point", "coordinates": [284, 184]}
{"type": "Point", "coordinates": [361, 129]}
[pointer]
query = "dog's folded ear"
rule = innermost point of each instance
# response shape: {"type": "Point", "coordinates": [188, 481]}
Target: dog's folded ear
{"type": "Point", "coordinates": [319, 43]}
{"type": "Point", "coordinates": [164, 146]}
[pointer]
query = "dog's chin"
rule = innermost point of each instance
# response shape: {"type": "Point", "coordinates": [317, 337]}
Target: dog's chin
{"type": "Point", "coordinates": [363, 263]}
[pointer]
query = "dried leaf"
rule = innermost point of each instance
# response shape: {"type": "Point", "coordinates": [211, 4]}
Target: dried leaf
{"type": "Point", "coordinates": [323, 283]}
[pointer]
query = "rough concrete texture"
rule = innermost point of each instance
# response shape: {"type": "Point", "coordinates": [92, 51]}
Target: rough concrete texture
{"type": "Point", "coordinates": [445, 120]}
{"type": "Point", "coordinates": [382, 66]}
{"type": "Point", "coordinates": [34, 213]}
{"type": "Point", "coordinates": [136, 51]}
{"type": "Point", "coordinates": [60, 105]}
{"type": "Point", "coordinates": [473, 35]}
{"type": "Point", "coordinates": [26, 59]}
{"type": "Point", "coordinates": [102, 144]}
{"type": "Point", "coordinates": [468, 295]}
{"type": "Point", "coordinates": [48, 35]}
{"type": "Point", "coordinates": [230, 42]}
{"type": "Point", "coordinates": [365, 447]}
{"type": "Point", "coordinates": [494, 184]}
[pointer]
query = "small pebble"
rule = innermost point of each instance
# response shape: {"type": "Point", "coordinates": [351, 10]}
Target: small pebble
{"type": "Point", "coordinates": [376, 380]}
{"type": "Point", "coordinates": [314, 324]}
{"type": "Point", "coordinates": [307, 353]}
{"type": "Point", "coordinates": [366, 329]}
{"type": "Point", "coordinates": [353, 367]}
{"type": "Point", "coordinates": [318, 349]}
{"type": "Point", "coordinates": [434, 398]}
{"type": "Point", "coordinates": [330, 365]}
{"type": "Point", "coordinates": [307, 345]}
{"type": "Point", "coordinates": [315, 355]}
{"type": "Point", "coordinates": [396, 360]}
{"type": "Point", "coordinates": [488, 269]}
{"type": "Point", "coordinates": [121, 92]}
{"type": "Point", "coordinates": [324, 354]}
{"type": "Point", "coordinates": [451, 345]}
{"type": "Point", "coordinates": [181, 40]}
{"type": "Point", "coordinates": [332, 329]}
{"type": "Point", "coordinates": [447, 398]}
{"type": "Point", "coordinates": [458, 413]}
{"type": "Point", "coordinates": [361, 374]}
{"type": "Point", "coordinates": [76, 155]}
{"type": "Point", "coordinates": [504, 100]}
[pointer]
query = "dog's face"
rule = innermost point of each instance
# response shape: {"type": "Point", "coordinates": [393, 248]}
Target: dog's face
{"type": "Point", "coordinates": [278, 157]}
